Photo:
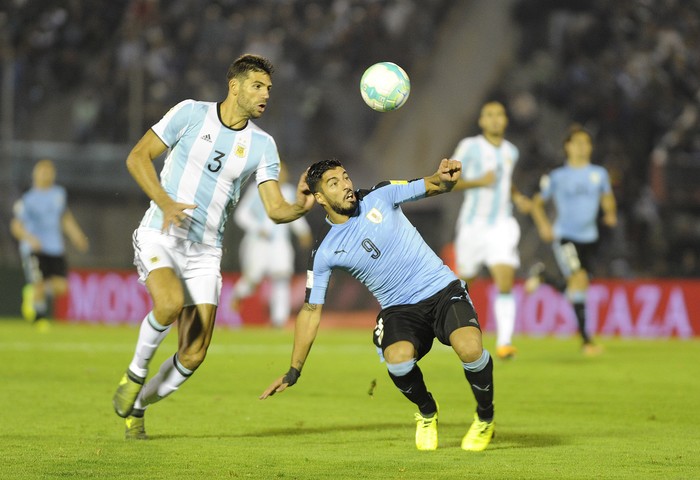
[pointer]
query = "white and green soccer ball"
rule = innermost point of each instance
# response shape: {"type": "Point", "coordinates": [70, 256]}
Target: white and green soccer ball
{"type": "Point", "coordinates": [385, 86]}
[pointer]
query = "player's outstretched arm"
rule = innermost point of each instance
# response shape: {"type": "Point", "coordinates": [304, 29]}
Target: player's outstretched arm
{"type": "Point", "coordinates": [609, 206]}
{"type": "Point", "coordinates": [488, 179]}
{"type": "Point", "coordinates": [445, 178]}
{"type": "Point", "coordinates": [278, 209]}
{"type": "Point", "coordinates": [539, 216]}
{"type": "Point", "coordinates": [305, 332]}
{"type": "Point", "coordinates": [140, 166]}
{"type": "Point", "coordinates": [74, 232]}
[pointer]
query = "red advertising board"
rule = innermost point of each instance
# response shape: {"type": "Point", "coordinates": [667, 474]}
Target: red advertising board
{"type": "Point", "coordinates": [626, 308]}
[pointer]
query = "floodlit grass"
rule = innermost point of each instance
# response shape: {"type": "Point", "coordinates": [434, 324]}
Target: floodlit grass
{"type": "Point", "coordinates": [633, 413]}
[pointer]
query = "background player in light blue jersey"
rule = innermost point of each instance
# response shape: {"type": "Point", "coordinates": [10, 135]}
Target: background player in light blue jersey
{"type": "Point", "coordinates": [487, 232]}
{"type": "Point", "coordinates": [41, 219]}
{"type": "Point", "coordinates": [267, 250]}
{"type": "Point", "coordinates": [213, 148]}
{"type": "Point", "coordinates": [368, 236]}
{"type": "Point", "coordinates": [578, 190]}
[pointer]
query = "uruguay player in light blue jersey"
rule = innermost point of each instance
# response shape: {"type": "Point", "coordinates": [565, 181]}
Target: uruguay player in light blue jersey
{"type": "Point", "coordinates": [578, 190]}
{"type": "Point", "coordinates": [487, 232]}
{"type": "Point", "coordinates": [368, 236]}
{"type": "Point", "coordinates": [212, 149]}
{"type": "Point", "coordinates": [41, 219]}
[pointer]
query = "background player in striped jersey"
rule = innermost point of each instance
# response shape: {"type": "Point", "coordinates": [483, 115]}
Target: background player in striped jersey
{"type": "Point", "coordinates": [41, 219]}
{"type": "Point", "coordinates": [578, 190]}
{"type": "Point", "coordinates": [213, 148]}
{"type": "Point", "coordinates": [487, 232]}
{"type": "Point", "coordinates": [267, 250]}
{"type": "Point", "coordinates": [368, 236]}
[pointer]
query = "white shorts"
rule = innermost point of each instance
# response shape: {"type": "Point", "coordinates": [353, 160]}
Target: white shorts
{"type": "Point", "coordinates": [196, 264]}
{"type": "Point", "coordinates": [260, 258]}
{"type": "Point", "coordinates": [479, 245]}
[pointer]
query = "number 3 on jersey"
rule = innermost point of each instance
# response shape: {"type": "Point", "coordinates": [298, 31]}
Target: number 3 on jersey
{"type": "Point", "coordinates": [215, 165]}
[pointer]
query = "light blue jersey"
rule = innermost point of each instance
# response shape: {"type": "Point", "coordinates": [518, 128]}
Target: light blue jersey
{"type": "Point", "coordinates": [576, 194]}
{"type": "Point", "coordinates": [486, 205]}
{"type": "Point", "coordinates": [381, 248]}
{"type": "Point", "coordinates": [207, 165]}
{"type": "Point", "coordinates": [41, 213]}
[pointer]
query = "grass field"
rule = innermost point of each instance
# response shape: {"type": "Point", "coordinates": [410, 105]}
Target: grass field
{"type": "Point", "coordinates": [633, 413]}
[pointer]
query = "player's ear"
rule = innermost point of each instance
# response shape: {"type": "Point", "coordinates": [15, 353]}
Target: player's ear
{"type": "Point", "coordinates": [320, 199]}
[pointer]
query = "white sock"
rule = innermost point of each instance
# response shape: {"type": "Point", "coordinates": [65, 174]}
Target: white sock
{"type": "Point", "coordinates": [280, 300]}
{"type": "Point", "coordinates": [504, 307]}
{"type": "Point", "coordinates": [151, 335]}
{"type": "Point", "coordinates": [170, 376]}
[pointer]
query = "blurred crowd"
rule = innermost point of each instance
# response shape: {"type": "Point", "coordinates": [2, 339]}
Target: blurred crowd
{"type": "Point", "coordinates": [100, 53]}
{"type": "Point", "coordinates": [628, 70]}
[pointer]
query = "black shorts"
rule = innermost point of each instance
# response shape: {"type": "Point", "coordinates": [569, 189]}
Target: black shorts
{"type": "Point", "coordinates": [435, 317]}
{"type": "Point", "coordinates": [572, 256]}
{"type": "Point", "coordinates": [39, 266]}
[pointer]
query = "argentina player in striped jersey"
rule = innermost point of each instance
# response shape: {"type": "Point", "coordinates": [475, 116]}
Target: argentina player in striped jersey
{"type": "Point", "coordinates": [487, 232]}
{"type": "Point", "coordinates": [367, 235]}
{"type": "Point", "coordinates": [212, 149]}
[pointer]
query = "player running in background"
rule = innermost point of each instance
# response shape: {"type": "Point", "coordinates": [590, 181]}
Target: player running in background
{"type": "Point", "coordinates": [41, 219]}
{"type": "Point", "coordinates": [487, 232]}
{"type": "Point", "coordinates": [267, 250]}
{"type": "Point", "coordinates": [578, 190]}
{"type": "Point", "coordinates": [213, 148]}
{"type": "Point", "coordinates": [368, 236]}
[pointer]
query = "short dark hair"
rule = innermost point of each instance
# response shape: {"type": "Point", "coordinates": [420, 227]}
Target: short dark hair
{"type": "Point", "coordinates": [573, 130]}
{"type": "Point", "coordinates": [315, 172]}
{"type": "Point", "coordinates": [249, 63]}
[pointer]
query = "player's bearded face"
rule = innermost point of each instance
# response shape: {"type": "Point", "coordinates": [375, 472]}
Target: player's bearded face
{"type": "Point", "coordinates": [338, 192]}
{"type": "Point", "coordinates": [254, 93]}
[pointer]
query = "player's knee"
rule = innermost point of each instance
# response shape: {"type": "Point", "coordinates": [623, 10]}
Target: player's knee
{"type": "Point", "coordinates": [59, 287]}
{"type": "Point", "coordinates": [399, 352]}
{"type": "Point", "coordinates": [169, 305]}
{"type": "Point", "coordinates": [192, 359]}
{"type": "Point", "coordinates": [466, 342]}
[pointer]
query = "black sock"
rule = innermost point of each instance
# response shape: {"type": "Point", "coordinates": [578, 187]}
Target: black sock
{"type": "Point", "coordinates": [580, 310]}
{"type": "Point", "coordinates": [413, 387]}
{"type": "Point", "coordinates": [481, 383]}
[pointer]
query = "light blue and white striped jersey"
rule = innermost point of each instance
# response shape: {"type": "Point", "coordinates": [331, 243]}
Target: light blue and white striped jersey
{"type": "Point", "coordinates": [381, 248]}
{"type": "Point", "coordinates": [41, 213]}
{"type": "Point", "coordinates": [252, 217]}
{"type": "Point", "coordinates": [485, 205]}
{"type": "Point", "coordinates": [207, 165]}
{"type": "Point", "coordinates": [576, 194]}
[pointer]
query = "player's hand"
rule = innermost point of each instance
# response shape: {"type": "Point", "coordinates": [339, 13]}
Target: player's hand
{"type": "Point", "coordinates": [281, 384]}
{"type": "Point", "coordinates": [610, 219]}
{"type": "Point", "coordinates": [278, 385]}
{"type": "Point", "coordinates": [34, 243]}
{"type": "Point", "coordinates": [488, 179]}
{"type": "Point", "coordinates": [305, 199]}
{"type": "Point", "coordinates": [522, 203]}
{"type": "Point", "coordinates": [546, 233]}
{"type": "Point", "coordinates": [449, 170]}
{"type": "Point", "coordinates": [174, 213]}
{"type": "Point", "coordinates": [82, 243]}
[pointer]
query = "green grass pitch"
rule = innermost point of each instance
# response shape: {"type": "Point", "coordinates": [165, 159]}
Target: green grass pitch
{"type": "Point", "coordinates": [632, 413]}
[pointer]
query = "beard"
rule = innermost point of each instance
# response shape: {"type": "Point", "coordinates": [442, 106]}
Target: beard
{"type": "Point", "coordinates": [339, 209]}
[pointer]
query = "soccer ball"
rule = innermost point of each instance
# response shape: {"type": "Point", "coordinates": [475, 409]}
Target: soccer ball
{"type": "Point", "coordinates": [385, 86]}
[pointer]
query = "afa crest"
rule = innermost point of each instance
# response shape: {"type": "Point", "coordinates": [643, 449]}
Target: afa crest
{"type": "Point", "coordinates": [240, 151]}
